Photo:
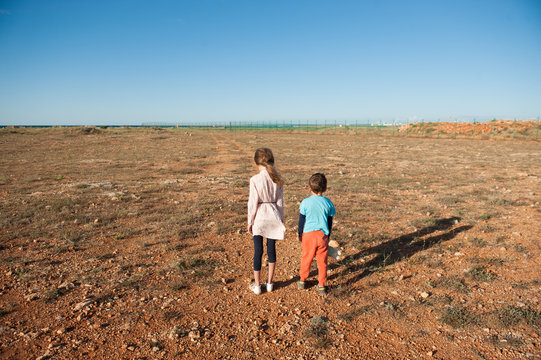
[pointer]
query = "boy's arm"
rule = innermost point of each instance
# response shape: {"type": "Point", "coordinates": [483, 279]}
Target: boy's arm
{"type": "Point", "coordinates": [329, 223]}
{"type": "Point", "coordinates": [302, 220]}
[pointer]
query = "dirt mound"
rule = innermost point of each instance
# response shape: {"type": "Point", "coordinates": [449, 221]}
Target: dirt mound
{"type": "Point", "coordinates": [491, 128]}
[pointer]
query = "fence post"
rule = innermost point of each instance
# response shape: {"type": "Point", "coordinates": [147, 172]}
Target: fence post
{"type": "Point", "coordinates": [407, 127]}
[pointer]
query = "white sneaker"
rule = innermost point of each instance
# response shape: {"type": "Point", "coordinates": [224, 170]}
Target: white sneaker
{"type": "Point", "coordinates": [256, 289]}
{"type": "Point", "coordinates": [269, 287]}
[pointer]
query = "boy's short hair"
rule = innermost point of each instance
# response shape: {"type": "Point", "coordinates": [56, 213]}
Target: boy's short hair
{"type": "Point", "coordinates": [318, 183]}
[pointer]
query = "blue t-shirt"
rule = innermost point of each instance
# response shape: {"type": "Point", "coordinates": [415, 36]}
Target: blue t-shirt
{"type": "Point", "coordinates": [317, 209]}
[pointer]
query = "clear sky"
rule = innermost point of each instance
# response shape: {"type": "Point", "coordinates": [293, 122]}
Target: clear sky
{"type": "Point", "coordinates": [65, 62]}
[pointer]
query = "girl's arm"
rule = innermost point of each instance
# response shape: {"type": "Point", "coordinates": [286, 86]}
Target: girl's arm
{"type": "Point", "coordinates": [253, 200]}
{"type": "Point", "coordinates": [280, 202]}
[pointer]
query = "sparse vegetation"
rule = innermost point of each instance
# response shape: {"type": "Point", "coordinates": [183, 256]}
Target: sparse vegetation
{"type": "Point", "coordinates": [454, 283]}
{"type": "Point", "coordinates": [318, 331]}
{"type": "Point", "coordinates": [458, 317]}
{"type": "Point", "coordinates": [354, 313]}
{"type": "Point", "coordinates": [198, 267]}
{"type": "Point", "coordinates": [511, 315]}
{"type": "Point", "coordinates": [481, 273]}
{"type": "Point", "coordinates": [478, 242]}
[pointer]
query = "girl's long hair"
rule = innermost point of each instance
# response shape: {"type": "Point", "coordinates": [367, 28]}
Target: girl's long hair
{"type": "Point", "coordinates": [264, 157]}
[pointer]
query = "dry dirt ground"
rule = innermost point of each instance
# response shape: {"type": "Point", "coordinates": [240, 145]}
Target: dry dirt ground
{"type": "Point", "coordinates": [130, 244]}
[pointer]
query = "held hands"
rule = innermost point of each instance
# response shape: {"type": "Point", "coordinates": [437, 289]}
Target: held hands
{"type": "Point", "coordinates": [249, 229]}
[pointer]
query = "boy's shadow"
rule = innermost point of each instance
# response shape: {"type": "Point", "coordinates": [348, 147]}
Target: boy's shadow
{"type": "Point", "coordinates": [391, 251]}
{"type": "Point", "coordinates": [400, 248]}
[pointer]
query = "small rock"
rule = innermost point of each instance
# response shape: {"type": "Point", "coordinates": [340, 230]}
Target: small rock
{"type": "Point", "coordinates": [31, 297]}
{"type": "Point", "coordinates": [83, 304]}
{"type": "Point", "coordinates": [424, 294]}
{"type": "Point", "coordinates": [174, 333]}
{"type": "Point", "coordinates": [66, 285]}
{"type": "Point", "coordinates": [45, 355]}
{"type": "Point", "coordinates": [194, 335]}
{"type": "Point", "coordinates": [285, 329]}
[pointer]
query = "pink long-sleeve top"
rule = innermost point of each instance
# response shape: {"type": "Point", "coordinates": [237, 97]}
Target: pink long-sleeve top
{"type": "Point", "coordinates": [266, 207]}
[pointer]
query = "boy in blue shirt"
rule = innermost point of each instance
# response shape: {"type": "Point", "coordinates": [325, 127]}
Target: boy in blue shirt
{"type": "Point", "coordinates": [315, 226]}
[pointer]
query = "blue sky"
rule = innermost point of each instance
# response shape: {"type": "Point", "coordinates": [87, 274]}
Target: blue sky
{"type": "Point", "coordinates": [65, 62]}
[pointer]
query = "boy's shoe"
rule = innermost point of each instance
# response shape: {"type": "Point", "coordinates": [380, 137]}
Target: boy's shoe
{"type": "Point", "coordinates": [322, 290]}
{"type": "Point", "coordinates": [269, 286]}
{"type": "Point", "coordinates": [256, 289]}
{"type": "Point", "coordinates": [301, 285]}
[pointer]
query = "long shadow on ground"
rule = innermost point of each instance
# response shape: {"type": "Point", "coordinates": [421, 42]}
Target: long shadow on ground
{"type": "Point", "coordinates": [397, 249]}
{"type": "Point", "coordinates": [390, 252]}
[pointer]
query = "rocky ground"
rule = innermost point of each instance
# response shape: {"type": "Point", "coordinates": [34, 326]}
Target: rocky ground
{"type": "Point", "coordinates": [130, 244]}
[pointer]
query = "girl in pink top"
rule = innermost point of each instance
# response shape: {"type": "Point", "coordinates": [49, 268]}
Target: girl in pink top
{"type": "Point", "coordinates": [265, 214]}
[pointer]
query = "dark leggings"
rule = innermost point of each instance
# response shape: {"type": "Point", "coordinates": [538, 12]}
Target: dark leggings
{"type": "Point", "coordinates": [258, 251]}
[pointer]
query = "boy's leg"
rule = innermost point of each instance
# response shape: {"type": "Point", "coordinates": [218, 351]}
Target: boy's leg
{"type": "Point", "coordinates": [271, 254]}
{"type": "Point", "coordinates": [308, 253]}
{"type": "Point", "coordinates": [321, 258]}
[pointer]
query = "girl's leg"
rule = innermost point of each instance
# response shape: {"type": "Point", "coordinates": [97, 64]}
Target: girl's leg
{"type": "Point", "coordinates": [271, 254]}
{"type": "Point", "coordinates": [258, 253]}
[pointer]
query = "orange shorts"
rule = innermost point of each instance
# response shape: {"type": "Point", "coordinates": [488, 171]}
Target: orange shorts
{"type": "Point", "coordinates": [314, 244]}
